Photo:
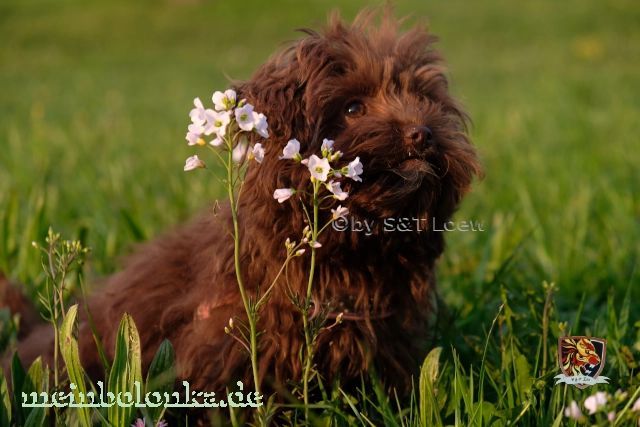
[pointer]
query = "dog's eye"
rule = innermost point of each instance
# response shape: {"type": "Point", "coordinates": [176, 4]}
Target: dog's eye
{"type": "Point", "coordinates": [355, 109]}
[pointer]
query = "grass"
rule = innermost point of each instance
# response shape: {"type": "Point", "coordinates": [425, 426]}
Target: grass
{"type": "Point", "coordinates": [93, 106]}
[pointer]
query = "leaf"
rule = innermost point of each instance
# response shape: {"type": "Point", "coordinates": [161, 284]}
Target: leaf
{"type": "Point", "coordinates": [125, 372]}
{"type": "Point", "coordinates": [71, 356]}
{"type": "Point", "coordinates": [161, 376]}
{"type": "Point", "coordinates": [17, 380]}
{"type": "Point", "coordinates": [428, 375]}
{"type": "Point", "coordinates": [523, 377]}
{"type": "Point", "coordinates": [5, 401]}
{"type": "Point", "coordinates": [38, 414]}
{"type": "Point", "coordinates": [32, 383]}
{"type": "Point", "coordinates": [36, 418]}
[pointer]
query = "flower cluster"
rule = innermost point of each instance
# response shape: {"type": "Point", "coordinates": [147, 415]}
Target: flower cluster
{"type": "Point", "coordinates": [307, 239]}
{"type": "Point", "coordinates": [227, 115]}
{"type": "Point", "coordinates": [321, 177]}
{"type": "Point", "coordinates": [600, 402]}
{"type": "Point", "coordinates": [321, 170]}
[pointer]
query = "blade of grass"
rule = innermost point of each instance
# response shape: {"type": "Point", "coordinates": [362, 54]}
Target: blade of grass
{"type": "Point", "coordinates": [579, 313]}
{"type": "Point", "coordinates": [353, 408]}
{"type": "Point", "coordinates": [94, 331]}
{"type": "Point", "coordinates": [484, 359]}
{"type": "Point", "coordinates": [624, 410]}
{"type": "Point", "coordinates": [623, 318]}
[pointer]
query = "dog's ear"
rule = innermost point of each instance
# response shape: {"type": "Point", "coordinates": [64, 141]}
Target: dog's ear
{"type": "Point", "coordinates": [279, 89]}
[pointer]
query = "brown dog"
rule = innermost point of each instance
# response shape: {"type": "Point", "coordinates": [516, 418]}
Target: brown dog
{"type": "Point", "coordinates": [380, 95]}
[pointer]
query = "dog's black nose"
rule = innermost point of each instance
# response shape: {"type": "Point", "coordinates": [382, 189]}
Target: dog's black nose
{"type": "Point", "coordinates": [420, 136]}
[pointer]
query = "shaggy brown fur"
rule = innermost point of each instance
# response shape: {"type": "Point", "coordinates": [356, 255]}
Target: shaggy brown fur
{"type": "Point", "coordinates": [183, 287]}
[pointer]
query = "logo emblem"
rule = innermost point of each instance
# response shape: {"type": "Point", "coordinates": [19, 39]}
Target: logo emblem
{"type": "Point", "coordinates": [581, 360]}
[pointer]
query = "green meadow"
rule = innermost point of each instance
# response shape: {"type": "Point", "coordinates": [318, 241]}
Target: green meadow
{"type": "Point", "coordinates": [94, 103]}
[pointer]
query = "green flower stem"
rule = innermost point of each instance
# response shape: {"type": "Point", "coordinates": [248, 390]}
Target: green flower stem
{"type": "Point", "coordinates": [56, 377]}
{"type": "Point", "coordinates": [325, 226]}
{"type": "Point", "coordinates": [305, 317]}
{"type": "Point", "coordinates": [253, 336]}
{"type": "Point", "coordinates": [54, 313]}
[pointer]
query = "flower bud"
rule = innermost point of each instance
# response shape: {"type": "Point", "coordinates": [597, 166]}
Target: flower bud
{"type": "Point", "coordinates": [339, 318]}
{"type": "Point", "coordinates": [226, 330]}
{"type": "Point", "coordinates": [621, 395]}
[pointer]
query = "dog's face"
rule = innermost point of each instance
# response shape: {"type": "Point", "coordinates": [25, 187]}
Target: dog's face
{"type": "Point", "coordinates": [381, 97]}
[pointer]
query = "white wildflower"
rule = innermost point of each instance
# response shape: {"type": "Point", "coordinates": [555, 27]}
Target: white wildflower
{"type": "Point", "coordinates": [592, 403]}
{"type": "Point", "coordinates": [198, 114]}
{"type": "Point", "coordinates": [239, 152]}
{"type": "Point", "coordinates": [194, 163]}
{"type": "Point", "coordinates": [257, 152]}
{"type": "Point", "coordinates": [319, 168]}
{"type": "Point", "coordinates": [573, 411]}
{"type": "Point", "coordinates": [244, 117]}
{"type": "Point", "coordinates": [282, 194]}
{"type": "Point", "coordinates": [291, 150]}
{"type": "Point", "coordinates": [335, 188]}
{"type": "Point", "coordinates": [224, 101]}
{"type": "Point", "coordinates": [339, 211]}
{"type": "Point", "coordinates": [261, 125]}
{"type": "Point", "coordinates": [217, 122]}
{"type": "Point", "coordinates": [354, 169]}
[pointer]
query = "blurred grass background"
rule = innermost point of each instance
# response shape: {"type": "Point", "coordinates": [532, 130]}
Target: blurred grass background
{"type": "Point", "coordinates": [95, 95]}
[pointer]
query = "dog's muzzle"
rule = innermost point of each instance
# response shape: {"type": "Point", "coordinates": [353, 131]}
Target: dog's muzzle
{"type": "Point", "coordinates": [420, 137]}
